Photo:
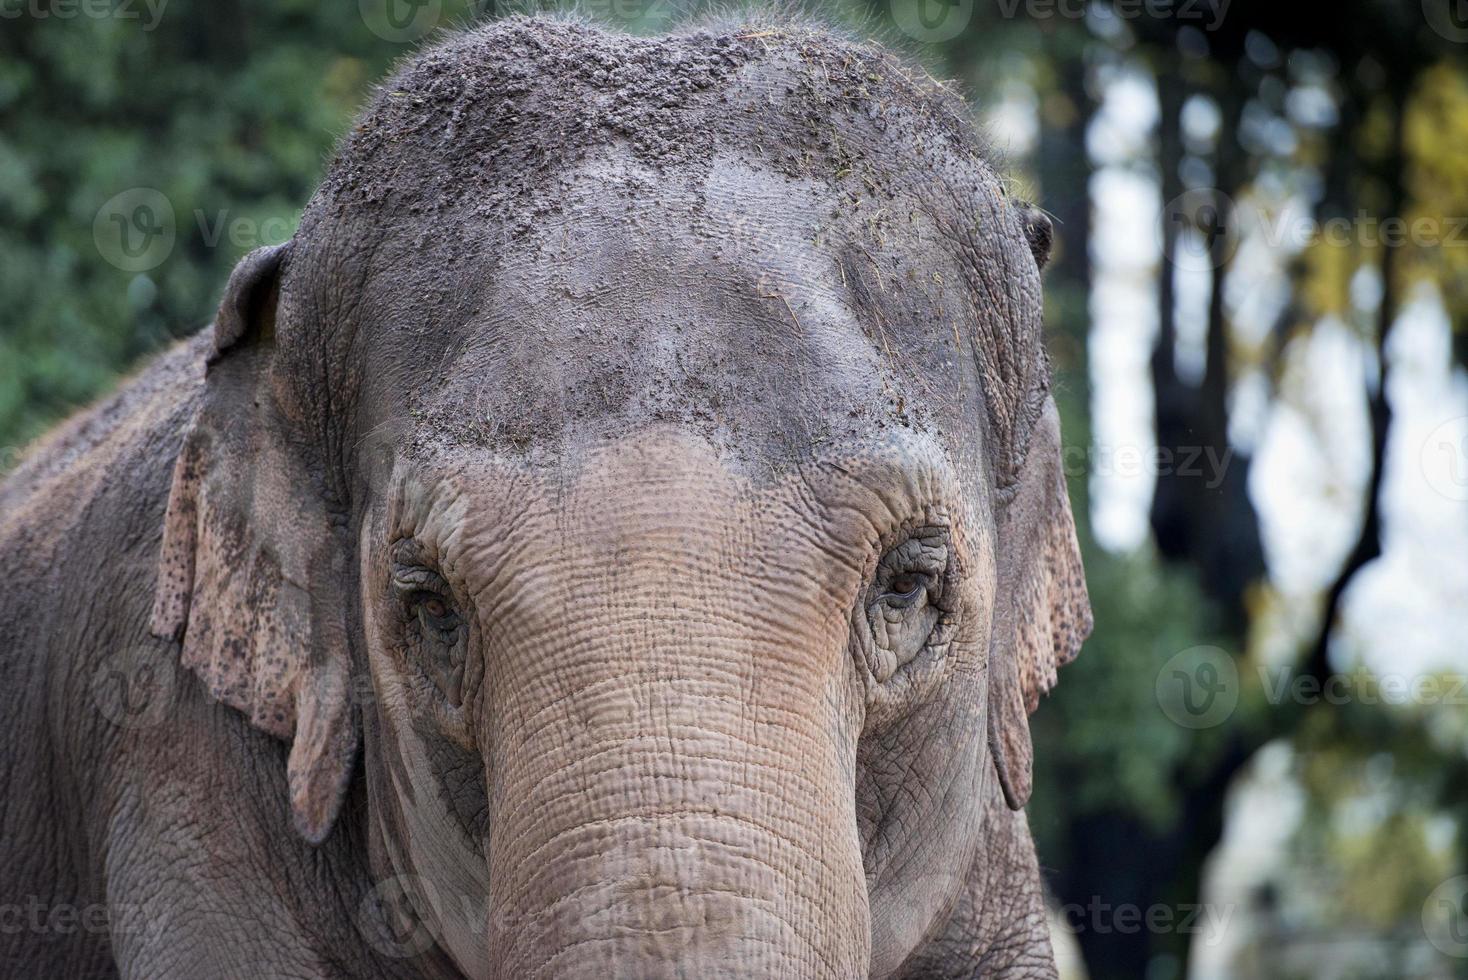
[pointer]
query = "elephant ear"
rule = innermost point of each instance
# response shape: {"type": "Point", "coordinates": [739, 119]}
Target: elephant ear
{"type": "Point", "coordinates": [1039, 232]}
{"type": "Point", "coordinates": [252, 578]}
{"type": "Point", "coordinates": [1042, 614]}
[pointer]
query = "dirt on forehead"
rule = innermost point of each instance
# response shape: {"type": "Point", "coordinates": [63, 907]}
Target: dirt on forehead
{"type": "Point", "coordinates": [490, 112]}
{"type": "Point", "coordinates": [472, 148]}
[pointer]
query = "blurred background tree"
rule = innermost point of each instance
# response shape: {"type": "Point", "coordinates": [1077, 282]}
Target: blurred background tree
{"type": "Point", "coordinates": [1256, 311]}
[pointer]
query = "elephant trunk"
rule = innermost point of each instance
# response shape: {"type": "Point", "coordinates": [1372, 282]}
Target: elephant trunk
{"type": "Point", "coordinates": [658, 826]}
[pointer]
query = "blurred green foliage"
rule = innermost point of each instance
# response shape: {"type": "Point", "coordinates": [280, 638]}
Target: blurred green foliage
{"type": "Point", "coordinates": [228, 109]}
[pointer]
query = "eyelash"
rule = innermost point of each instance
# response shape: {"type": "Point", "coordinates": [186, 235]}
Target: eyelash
{"type": "Point", "coordinates": [423, 597]}
{"type": "Point", "coordinates": [910, 570]}
{"type": "Point", "coordinates": [417, 587]}
{"type": "Point", "coordinates": [432, 631]}
{"type": "Point", "coordinates": [900, 597]}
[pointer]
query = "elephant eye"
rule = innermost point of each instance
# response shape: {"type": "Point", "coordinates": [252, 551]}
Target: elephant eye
{"type": "Point", "coordinates": [434, 611]}
{"type": "Point", "coordinates": [425, 597]}
{"type": "Point", "coordinates": [913, 570]}
{"type": "Point", "coordinates": [433, 634]}
{"type": "Point", "coordinates": [908, 602]}
{"type": "Point", "coordinates": [904, 589]}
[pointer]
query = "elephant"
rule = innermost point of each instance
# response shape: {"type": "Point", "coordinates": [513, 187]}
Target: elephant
{"type": "Point", "coordinates": [621, 532]}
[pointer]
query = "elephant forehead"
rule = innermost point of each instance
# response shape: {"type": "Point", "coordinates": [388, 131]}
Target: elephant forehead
{"type": "Point", "coordinates": [744, 304]}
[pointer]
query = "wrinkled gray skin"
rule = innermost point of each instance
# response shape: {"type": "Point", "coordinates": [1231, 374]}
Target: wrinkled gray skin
{"type": "Point", "coordinates": [621, 534]}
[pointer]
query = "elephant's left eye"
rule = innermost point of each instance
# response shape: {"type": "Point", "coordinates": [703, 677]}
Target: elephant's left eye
{"type": "Point", "coordinates": [904, 589]}
{"type": "Point", "coordinates": [425, 597]}
{"type": "Point", "coordinates": [434, 611]}
{"type": "Point", "coordinates": [433, 605]}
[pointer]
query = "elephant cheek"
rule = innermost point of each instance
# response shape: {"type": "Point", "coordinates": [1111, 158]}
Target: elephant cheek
{"type": "Point", "coordinates": [434, 867]}
{"type": "Point", "coordinates": [919, 848]}
{"type": "Point", "coordinates": [932, 872]}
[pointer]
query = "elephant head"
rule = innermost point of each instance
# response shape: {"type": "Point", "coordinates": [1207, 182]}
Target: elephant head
{"type": "Point", "coordinates": [659, 430]}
